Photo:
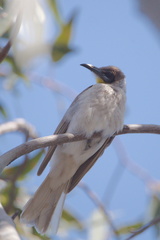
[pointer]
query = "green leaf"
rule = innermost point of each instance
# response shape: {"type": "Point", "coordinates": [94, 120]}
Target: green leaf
{"type": "Point", "coordinates": [129, 228]}
{"type": "Point", "coordinates": [2, 3]}
{"type": "Point", "coordinates": [8, 195]}
{"type": "Point", "coordinates": [23, 169]}
{"type": "Point", "coordinates": [55, 10]}
{"type": "Point", "coordinates": [59, 51]}
{"type": "Point", "coordinates": [68, 217]}
{"type": "Point", "coordinates": [66, 31]}
{"type": "Point", "coordinates": [31, 164]}
{"type": "Point", "coordinates": [16, 69]}
{"type": "Point", "coordinates": [61, 44]}
{"type": "Point", "coordinates": [3, 111]}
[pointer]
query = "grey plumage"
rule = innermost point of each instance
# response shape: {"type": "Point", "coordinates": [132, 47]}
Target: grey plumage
{"type": "Point", "coordinates": [98, 109]}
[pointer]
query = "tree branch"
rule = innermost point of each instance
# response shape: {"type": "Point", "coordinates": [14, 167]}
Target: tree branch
{"type": "Point", "coordinates": [140, 128]}
{"type": "Point", "coordinates": [14, 32]}
{"type": "Point", "coordinates": [131, 165]}
{"type": "Point", "coordinates": [18, 125]}
{"type": "Point", "coordinates": [4, 51]}
{"type": "Point", "coordinates": [37, 143]}
{"type": "Point", "coordinates": [145, 227]}
{"type": "Point", "coordinates": [55, 86]}
{"type": "Point", "coordinates": [99, 205]}
{"type": "Point", "coordinates": [7, 227]}
{"type": "Point", "coordinates": [42, 142]}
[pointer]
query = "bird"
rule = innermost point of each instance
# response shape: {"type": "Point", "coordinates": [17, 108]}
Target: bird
{"type": "Point", "coordinates": [99, 109]}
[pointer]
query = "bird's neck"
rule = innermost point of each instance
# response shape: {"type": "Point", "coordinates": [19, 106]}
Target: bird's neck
{"type": "Point", "coordinates": [120, 84]}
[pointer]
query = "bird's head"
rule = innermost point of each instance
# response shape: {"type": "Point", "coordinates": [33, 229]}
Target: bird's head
{"type": "Point", "coordinates": [108, 75]}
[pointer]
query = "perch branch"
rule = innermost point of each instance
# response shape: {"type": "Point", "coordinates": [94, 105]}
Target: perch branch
{"type": "Point", "coordinates": [42, 142]}
{"type": "Point", "coordinates": [140, 128]}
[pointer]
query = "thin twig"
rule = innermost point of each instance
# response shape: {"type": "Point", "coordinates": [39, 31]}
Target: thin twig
{"type": "Point", "coordinates": [17, 213]}
{"type": "Point", "coordinates": [4, 51]}
{"type": "Point", "coordinates": [98, 204]}
{"type": "Point", "coordinates": [42, 142]}
{"type": "Point", "coordinates": [131, 165]}
{"type": "Point", "coordinates": [142, 229]}
{"type": "Point", "coordinates": [113, 182]}
{"type": "Point", "coordinates": [14, 32]}
{"type": "Point", "coordinates": [55, 86]}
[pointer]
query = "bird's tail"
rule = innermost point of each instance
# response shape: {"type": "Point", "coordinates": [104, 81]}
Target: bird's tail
{"type": "Point", "coordinates": [46, 202]}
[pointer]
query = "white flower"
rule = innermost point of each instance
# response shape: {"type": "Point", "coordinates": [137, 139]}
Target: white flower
{"type": "Point", "coordinates": [30, 18]}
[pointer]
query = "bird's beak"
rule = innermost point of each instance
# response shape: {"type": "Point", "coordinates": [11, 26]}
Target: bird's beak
{"type": "Point", "coordinates": [92, 68]}
{"type": "Point", "coordinates": [97, 71]}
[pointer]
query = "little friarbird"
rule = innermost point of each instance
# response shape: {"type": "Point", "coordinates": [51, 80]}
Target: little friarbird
{"type": "Point", "coordinates": [98, 109]}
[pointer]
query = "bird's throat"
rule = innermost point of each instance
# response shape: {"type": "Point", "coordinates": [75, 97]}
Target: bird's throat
{"type": "Point", "coordinates": [99, 80]}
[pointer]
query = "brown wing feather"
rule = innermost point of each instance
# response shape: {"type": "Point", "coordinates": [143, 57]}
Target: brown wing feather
{"type": "Point", "coordinates": [84, 168]}
{"type": "Point", "coordinates": [62, 128]}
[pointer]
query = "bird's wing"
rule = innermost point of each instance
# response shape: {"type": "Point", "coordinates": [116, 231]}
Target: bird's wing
{"type": "Point", "coordinates": [84, 168]}
{"type": "Point", "coordinates": [62, 128]}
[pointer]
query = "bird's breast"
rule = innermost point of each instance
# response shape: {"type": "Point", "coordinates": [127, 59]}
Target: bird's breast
{"type": "Point", "coordinates": [99, 109]}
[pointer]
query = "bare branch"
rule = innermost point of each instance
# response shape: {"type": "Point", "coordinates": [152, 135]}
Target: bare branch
{"type": "Point", "coordinates": [17, 213]}
{"type": "Point", "coordinates": [18, 125]}
{"type": "Point", "coordinates": [32, 145]}
{"type": "Point", "coordinates": [140, 128]}
{"type": "Point", "coordinates": [145, 227]}
{"type": "Point", "coordinates": [55, 86]}
{"type": "Point", "coordinates": [37, 143]}
{"type": "Point", "coordinates": [4, 51]}
{"type": "Point", "coordinates": [131, 165]}
{"type": "Point", "coordinates": [14, 31]}
{"type": "Point", "coordinates": [98, 204]}
{"type": "Point", "coordinates": [151, 11]}
{"type": "Point", "coordinates": [7, 227]}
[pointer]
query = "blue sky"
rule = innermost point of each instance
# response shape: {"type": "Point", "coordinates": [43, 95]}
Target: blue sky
{"type": "Point", "coordinates": [106, 33]}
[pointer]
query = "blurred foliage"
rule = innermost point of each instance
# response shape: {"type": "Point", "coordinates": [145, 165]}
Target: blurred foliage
{"type": "Point", "coordinates": [11, 72]}
{"type": "Point", "coordinates": [55, 10]}
{"type": "Point", "coordinates": [13, 193]}
{"type": "Point", "coordinates": [61, 45]}
{"type": "Point", "coordinates": [3, 111]}
{"type": "Point", "coordinates": [68, 217]}
{"type": "Point", "coordinates": [14, 174]}
{"type": "Point", "coordinates": [129, 228]}
{"type": "Point", "coordinates": [2, 3]}
{"type": "Point", "coordinates": [43, 237]}
{"type": "Point", "coordinates": [22, 170]}
{"type": "Point", "coordinates": [15, 68]}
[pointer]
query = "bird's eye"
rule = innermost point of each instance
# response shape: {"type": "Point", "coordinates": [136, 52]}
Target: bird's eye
{"type": "Point", "coordinates": [110, 76]}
